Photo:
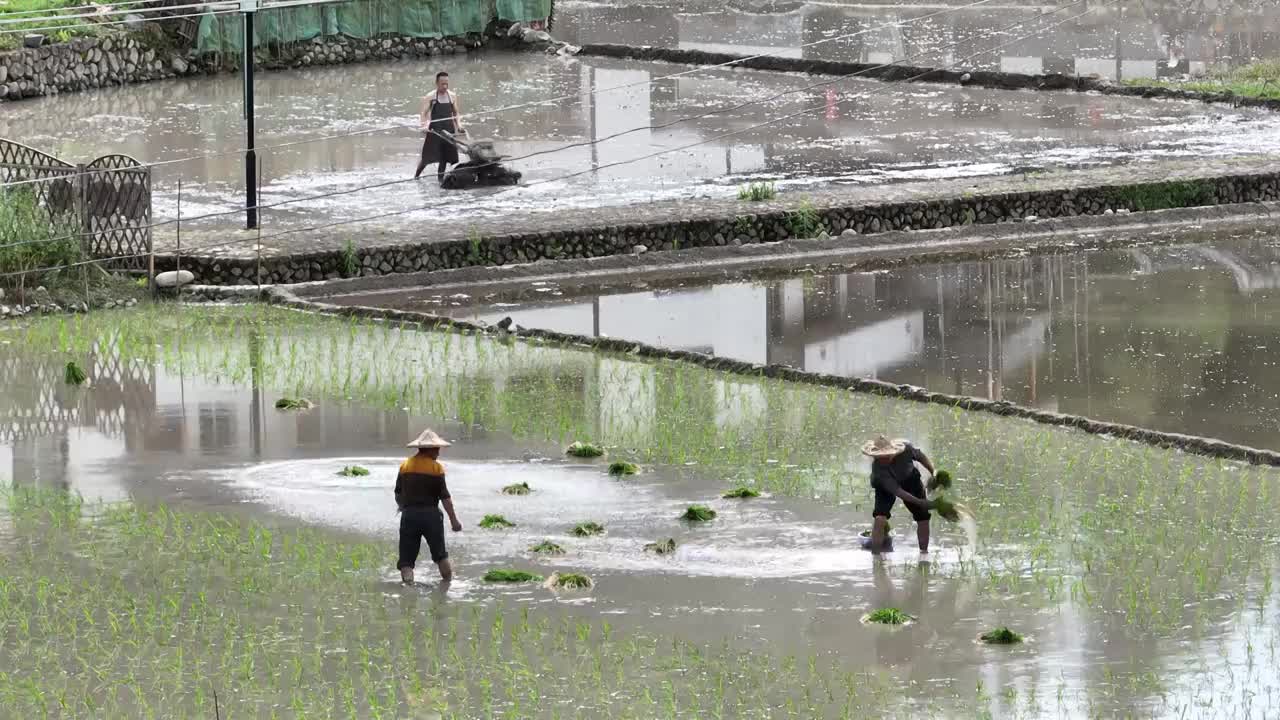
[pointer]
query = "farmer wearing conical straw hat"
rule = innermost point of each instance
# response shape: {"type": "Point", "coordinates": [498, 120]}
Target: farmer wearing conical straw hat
{"type": "Point", "coordinates": [894, 475]}
{"type": "Point", "coordinates": [420, 489]}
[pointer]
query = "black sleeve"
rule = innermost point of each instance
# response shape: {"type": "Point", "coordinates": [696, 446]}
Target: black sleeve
{"type": "Point", "coordinates": [444, 489]}
{"type": "Point", "coordinates": [917, 455]}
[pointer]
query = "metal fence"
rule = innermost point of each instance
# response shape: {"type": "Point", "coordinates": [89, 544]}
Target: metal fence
{"type": "Point", "coordinates": [106, 202]}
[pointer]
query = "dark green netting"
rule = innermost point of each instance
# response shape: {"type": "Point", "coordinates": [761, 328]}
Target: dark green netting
{"type": "Point", "coordinates": [365, 19]}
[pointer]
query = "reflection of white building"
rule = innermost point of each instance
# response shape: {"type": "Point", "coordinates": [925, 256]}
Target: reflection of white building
{"type": "Point", "coordinates": [865, 351]}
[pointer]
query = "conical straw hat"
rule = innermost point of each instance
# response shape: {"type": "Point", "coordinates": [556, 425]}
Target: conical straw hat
{"type": "Point", "coordinates": [429, 439]}
{"type": "Point", "coordinates": [883, 447]}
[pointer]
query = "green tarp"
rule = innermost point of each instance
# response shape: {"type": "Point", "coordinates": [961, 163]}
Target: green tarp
{"type": "Point", "coordinates": [365, 19]}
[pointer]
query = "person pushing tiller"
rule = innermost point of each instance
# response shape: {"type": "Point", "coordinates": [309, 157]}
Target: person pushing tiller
{"type": "Point", "coordinates": [442, 123]}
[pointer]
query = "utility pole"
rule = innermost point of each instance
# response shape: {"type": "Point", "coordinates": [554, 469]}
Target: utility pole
{"type": "Point", "coordinates": [249, 8]}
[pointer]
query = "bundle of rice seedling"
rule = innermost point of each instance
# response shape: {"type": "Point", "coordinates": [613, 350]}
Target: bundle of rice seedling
{"type": "Point", "coordinates": [495, 522]}
{"type": "Point", "coordinates": [517, 489]}
{"type": "Point", "coordinates": [353, 471]}
{"type": "Point", "coordinates": [585, 450]}
{"type": "Point", "coordinates": [867, 533]}
{"type": "Point", "coordinates": [946, 509]}
{"type": "Point", "coordinates": [940, 480]}
{"type": "Point", "coordinates": [587, 529]}
{"type": "Point", "coordinates": [888, 616]}
{"type": "Point", "coordinates": [511, 576]}
{"type": "Point", "coordinates": [286, 403]}
{"type": "Point", "coordinates": [662, 547]}
{"type": "Point", "coordinates": [74, 375]}
{"type": "Point", "coordinates": [618, 468]}
{"type": "Point", "coordinates": [546, 547]}
{"type": "Point", "coordinates": [698, 513]}
{"type": "Point", "coordinates": [1001, 636]}
{"type": "Point", "coordinates": [569, 581]}
{"type": "Point", "coordinates": [741, 492]}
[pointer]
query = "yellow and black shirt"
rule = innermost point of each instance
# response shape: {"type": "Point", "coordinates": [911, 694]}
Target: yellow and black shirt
{"type": "Point", "coordinates": [420, 483]}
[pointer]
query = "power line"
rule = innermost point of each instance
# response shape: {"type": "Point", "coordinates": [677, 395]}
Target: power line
{"type": "Point", "coordinates": [537, 103]}
{"type": "Point", "coordinates": [610, 137]}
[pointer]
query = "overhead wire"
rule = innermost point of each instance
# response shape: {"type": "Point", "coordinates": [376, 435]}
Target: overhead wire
{"type": "Point", "coordinates": [722, 136]}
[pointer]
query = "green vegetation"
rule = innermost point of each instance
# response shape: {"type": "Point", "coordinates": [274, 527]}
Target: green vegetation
{"type": "Point", "coordinates": [30, 15]}
{"type": "Point", "coordinates": [1001, 636]}
{"type": "Point", "coordinates": [31, 239]}
{"type": "Point", "coordinates": [698, 513]}
{"type": "Point", "coordinates": [495, 522]}
{"type": "Point", "coordinates": [587, 529]}
{"type": "Point", "coordinates": [350, 260]}
{"type": "Point", "coordinates": [571, 581]}
{"type": "Point", "coordinates": [888, 616]}
{"type": "Point", "coordinates": [353, 471]}
{"type": "Point", "coordinates": [511, 576]}
{"type": "Point", "coordinates": [1163, 196]}
{"type": "Point", "coordinates": [741, 492]}
{"type": "Point", "coordinates": [946, 509]}
{"type": "Point", "coordinates": [521, 488]}
{"type": "Point", "coordinates": [1255, 80]}
{"type": "Point", "coordinates": [288, 403]}
{"type": "Point", "coordinates": [618, 468]}
{"type": "Point", "coordinates": [940, 480]}
{"type": "Point", "coordinates": [662, 547]}
{"type": "Point", "coordinates": [757, 191]}
{"type": "Point", "coordinates": [581, 449]}
{"type": "Point", "coordinates": [804, 222]}
{"type": "Point", "coordinates": [546, 547]}
{"type": "Point", "coordinates": [74, 375]}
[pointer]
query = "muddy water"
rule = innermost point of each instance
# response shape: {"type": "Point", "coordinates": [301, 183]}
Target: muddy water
{"type": "Point", "coordinates": [860, 133]}
{"type": "Point", "coordinates": [1178, 338]}
{"type": "Point", "coordinates": [1114, 40]}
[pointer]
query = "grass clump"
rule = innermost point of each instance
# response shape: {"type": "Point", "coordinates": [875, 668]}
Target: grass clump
{"type": "Point", "coordinates": [288, 403]}
{"type": "Point", "coordinates": [585, 450]}
{"type": "Point", "coordinates": [587, 529]}
{"type": "Point", "coordinates": [888, 616]}
{"type": "Point", "coordinates": [1255, 80]}
{"type": "Point", "coordinates": [495, 522]}
{"type": "Point", "coordinates": [940, 480]}
{"type": "Point", "coordinates": [698, 513]}
{"type": "Point", "coordinates": [1001, 636]}
{"type": "Point", "coordinates": [546, 547]}
{"type": "Point", "coordinates": [74, 375]}
{"type": "Point", "coordinates": [741, 492]}
{"type": "Point", "coordinates": [511, 576]}
{"type": "Point", "coordinates": [946, 509]}
{"type": "Point", "coordinates": [35, 236]}
{"type": "Point", "coordinates": [757, 191]}
{"type": "Point", "coordinates": [804, 222]}
{"type": "Point", "coordinates": [521, 488]}
{"type": "Point", "coordinates": [570, 581]}
{"type": "Point", "coordinates": [620, 468]}
{"type": "Point", "coordinates": [353, 471]}
{"type": "Point", "coordinates": [662, 547]}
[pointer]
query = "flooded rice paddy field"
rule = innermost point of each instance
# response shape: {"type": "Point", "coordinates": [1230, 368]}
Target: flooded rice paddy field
{"type": "Point", "coordinates": [1119, 41]}
{"type": "Point", "coordinates": [236, 559]}
{"type": "Point", "coordinates": [1179, 337]}
{"type": "Point", "coordinates": [859, 132]}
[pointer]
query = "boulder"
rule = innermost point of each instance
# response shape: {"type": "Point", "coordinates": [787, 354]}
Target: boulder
{"type": "Point", "coordinates": [174, 278]}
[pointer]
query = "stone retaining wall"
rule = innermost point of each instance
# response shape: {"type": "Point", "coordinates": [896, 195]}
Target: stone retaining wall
{"type": "Point", "coordinates": [126, 58]}
{"type": "Point", "coordinates": [898, 73]}
{"type": "Point", "coordinates": [741, 229]}
{"type": "Point", "coordinates": [1187, 443]}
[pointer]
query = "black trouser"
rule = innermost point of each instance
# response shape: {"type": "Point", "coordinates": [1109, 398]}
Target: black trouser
{"type": "Point", "coordinates": [417, 523]}
{"type": "Point", "coordinates": [428, 155]}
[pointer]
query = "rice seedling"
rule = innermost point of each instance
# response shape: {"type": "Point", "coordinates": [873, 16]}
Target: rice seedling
{"type": "Point", "coordinates": [619, 468]}
{"type": "Point", "coordinates": [587, 529]}
{"type": "Point", "coordinates": [520, 488]}
{"type": "Point", "coordinates": [74, 375]}
{"type": "Point", "coordinates": [888, 616]}
{"type": "Point", "coordinates": [1001, 636]}
{"type": "Point", "coordinates": [581, 449]}
{"type": "Point", "coordinates": [741, 492]}
{"type": "Point", "coordinates": [940, 480]}
{"type": "Point", "coordinates": [287, 403]}
{"type": "Point", "coordinates": [757, 191]}
{"type": "Point", "coordinates": [353, 471]}
{"type": "Point", "coordinates": [662, 547]}
{"type": "Point", "coordinates": [511, 576]}
{"type": "Point", "coordinates": [546, 547]}
{"type": "Point", "coordinates": [570, 581]}
{"type": "Point", "coordinates": [698, 513]}
{"type": "Point", "coordinates": [946, 509]}
{"type": "Point", "coordinates": [495, 522]}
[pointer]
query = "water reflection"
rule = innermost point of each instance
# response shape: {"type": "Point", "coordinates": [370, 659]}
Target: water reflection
{"type": "Point", "coordinates": [1179, 338]}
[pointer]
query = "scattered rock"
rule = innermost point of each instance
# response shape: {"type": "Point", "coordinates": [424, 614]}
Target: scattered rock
{"type": "Point", "coordinates": [516, 30]}
{"type": "Point", "coordinates": [174, 278]}
{"type": "Point", "coordinates": [639, 249]}
{"type": "Point", "coordinates": [1030, 218]}
{"type": "Point", "coordinates": [179, 66]}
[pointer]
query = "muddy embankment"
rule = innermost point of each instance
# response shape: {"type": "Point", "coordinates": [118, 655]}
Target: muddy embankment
{"type": "Point", "coordinates": [900, 73]}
